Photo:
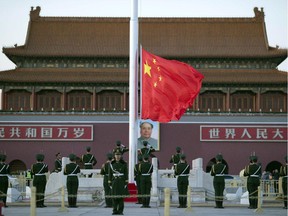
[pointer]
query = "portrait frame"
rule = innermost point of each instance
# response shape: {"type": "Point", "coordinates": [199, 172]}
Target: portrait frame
{"type": "Point", "coordinates": [155, 136]}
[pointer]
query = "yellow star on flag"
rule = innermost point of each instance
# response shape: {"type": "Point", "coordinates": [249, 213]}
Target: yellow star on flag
{"type": "Point", "coordinates": [147, 69]}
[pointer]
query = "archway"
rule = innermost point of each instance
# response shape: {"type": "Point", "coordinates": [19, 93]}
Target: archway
{"type": "Point", "coordinates": [273, 165]}
{"type": "Point", "coordinates": [17, 166]}
{"type": "Point", "coordinates": [213, 161]}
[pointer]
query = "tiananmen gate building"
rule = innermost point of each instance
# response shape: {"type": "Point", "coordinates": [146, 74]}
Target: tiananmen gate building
{"type": "Point", "coordinates": [70, 89]}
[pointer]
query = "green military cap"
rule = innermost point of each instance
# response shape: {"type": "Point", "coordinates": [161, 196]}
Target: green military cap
{"type": "Point", "coordinates": [183, 156]}
{"type": "Point", "coordinates": [254, 158]}
{"type": "Point", "coordinates": [118, 142]}
{"type": "Point", "coordinates": [118, 152]}
{"type": "Point", "coordinates": [40, 157]}
{"type": "Point", "coordinates": [178, 148]}
{"type": "Point", "coordinates": [88, 148]}
{"type": "Point", "coordinates": [109, 156]}
{"type": "Point", "coordinates": [219, 157]}
{"type": "Point", "coordinates": [140, 158]}
{"type": "Point", "coordinates": [2, 157]}
{"type": "Point", "coordinates": [146, 157]}
{"type": "Point", "coordinates": [72, 157]}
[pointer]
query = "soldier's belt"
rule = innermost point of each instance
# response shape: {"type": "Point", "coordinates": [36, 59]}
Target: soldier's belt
{"type": "Point", "coordinates": [146, 174]}
{"type": "Point", "coordinates": [118, 174]}
{"type": "Point", "coordinates": [254, 176]}
{"type": "Point", "coordinates": [87, 163]}
{"type": "Point", "coordinates": [40, 174]}
{"type": "Point", "coordinates": [3, 175]}
{"type": "Point", "coordinates": [184, 175]}
{"type": "Point", "coordinates": [72, 174]}
{"type": "Point", "coordinates": [219, 175]}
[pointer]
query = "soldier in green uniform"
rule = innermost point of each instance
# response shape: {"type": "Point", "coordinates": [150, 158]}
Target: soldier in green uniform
{"type": "Point", "coordinates": [38, 171]}
{"type": "Point", "coordinates": [146, 169]}
{"type": "Point", "coordinates": [105, 172]}
{"type": "Point", "coordinates": [253, 171]}
{"type": "Point", "coordinates": [118, 181]}
{"type": "Point", "coordinates": [137, 178]}
{"type": "Point", "coordinates": [146, 150]}
{"type": "Point", "coordinates": [218, 170]}
{"type": "Point", "coordinates": [4, 181]}
{"type": "Point", "coordinates": [120, 147]}
{"type": "Point", "coordinates": [72, 182]}
{"type": "Point", "coordinates": [182, 170]}
{"type": "Point", "coordinates": [284, 175]}
{"type": "Point", "coordinates": [89, 160]}
{"type": "Point", "coordinates": [58, 163]}
{"type": "Point", "coordinates": [176, 157]}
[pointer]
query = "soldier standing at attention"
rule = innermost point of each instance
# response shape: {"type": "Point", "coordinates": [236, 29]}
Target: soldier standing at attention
{"type": "Point", "coordinates": [176, 157]}
{"type": "Point", "coordinates": [182, 170]}
{"type": "Point", "coordinates": [137, 178]}
{"type": "Point", "coordinates": [146, 169]}
{"type": "Point", "coordinates": [120, 147]}
{"type": "Point", "coordinates": [105, 172]}
{"type": "Point", "coordinates": [253, 171]}
{"type": "Point", "coordinates": [72, 182]}
{"type": "Point", "coordinates": [89, 160]}
{"type": "Point", "coordinates": [58, 163]}
{"type": "Point", "coordinates": [284, 175]}
{"type": "Point", "coordinates": [118, 181]}
{"type": "Point", "coordinates": [218, 170]}
{"type": "Point", "coordinates": [38, 171]}
{"type": "Point", "coordinates": [4, 181]}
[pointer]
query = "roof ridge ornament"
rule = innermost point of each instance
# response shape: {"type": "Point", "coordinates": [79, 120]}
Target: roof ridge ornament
{"type": "Point", "coordinates": [259, 15]}
{"type": "Point", "coordinates": [35, 14]}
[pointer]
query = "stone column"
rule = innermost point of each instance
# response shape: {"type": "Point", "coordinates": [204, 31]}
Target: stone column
{"type": "Point", "coordinates": [154, 191]}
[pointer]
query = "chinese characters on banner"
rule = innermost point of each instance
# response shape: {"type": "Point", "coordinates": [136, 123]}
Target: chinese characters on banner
{"type": "Point", "coordinates": [242, 133]}
{"type": "Point", "coordinates": [47, 132]}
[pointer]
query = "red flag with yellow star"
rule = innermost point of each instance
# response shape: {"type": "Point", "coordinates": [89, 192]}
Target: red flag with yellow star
{"type": "Point", "coordinates": [169, 87]}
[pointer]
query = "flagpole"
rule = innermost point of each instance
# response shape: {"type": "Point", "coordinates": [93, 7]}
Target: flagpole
{"type": "Point", "coordinates": [133, 88]}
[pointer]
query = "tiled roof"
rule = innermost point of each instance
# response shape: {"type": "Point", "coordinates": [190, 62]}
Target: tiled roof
{"type": "Point", "coordinates": [91, 75]}
{"type": "Point", "coordinates": [167, 37]}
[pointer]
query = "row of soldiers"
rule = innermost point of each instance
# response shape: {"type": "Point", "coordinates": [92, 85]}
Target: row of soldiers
{"type": "Point", "coordinates": [219, 170]}
{"type": "Point", "coordinates": [253, 174]}
{"type": "Point", "coordinates": [115, 172]}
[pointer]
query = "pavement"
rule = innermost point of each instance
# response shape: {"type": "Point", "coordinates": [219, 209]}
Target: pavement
{"type": "Point", "coordinates": [132, 209]}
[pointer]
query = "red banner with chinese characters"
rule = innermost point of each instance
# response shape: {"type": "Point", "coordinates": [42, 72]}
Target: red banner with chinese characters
{"type": "Point", "coordinates": [243, 133]}
{"type": "Point", "coordinates": [46, 132]}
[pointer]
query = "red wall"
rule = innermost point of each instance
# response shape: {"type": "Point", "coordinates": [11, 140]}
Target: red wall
{"type": "Point", "coordinates": [185, 135]}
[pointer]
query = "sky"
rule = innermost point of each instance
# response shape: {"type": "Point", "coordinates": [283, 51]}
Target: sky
{"type": "Point", "coordinates": [14, 15]}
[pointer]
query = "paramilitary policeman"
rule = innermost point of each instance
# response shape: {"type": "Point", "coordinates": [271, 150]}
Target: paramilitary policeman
{"type": "Point", "coordinates": [38, 171]}
{"type": "Point", "coordinates": [253, 171]}
{"type": "Point", "coordinates": [182, 170]}
{"type": "Point", "coordinates": [120, 147]}
{"type": "Point", "coordinates": [146, 150]}
{"type": "Point", "coordinates": [284, 175]}
{"type": "Point", "coordinates": [72, 182]}
{"type": "Point", "coordinates": [89, 160]}
{"type": "Point", "coordinates": [4, 181]}
{"type": "Point", "coordinates": [105, 172]}
{"type": "Point", "coordinates": [176, 157]}
{"type": "Point", "coordinates": [145, 170]}
{"type": "Point", "coordinates": [58, 163]}
{"type": "Point", "coordinates": [137, 178]}
{"type": "Point", "coordinates": [118, 181]}
{"type": "Point", "coordinates": [218, 170]}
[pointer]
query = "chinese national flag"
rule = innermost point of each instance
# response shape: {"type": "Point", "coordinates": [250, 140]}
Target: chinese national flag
{"type": "Point", "coordinates": [169, 87]}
